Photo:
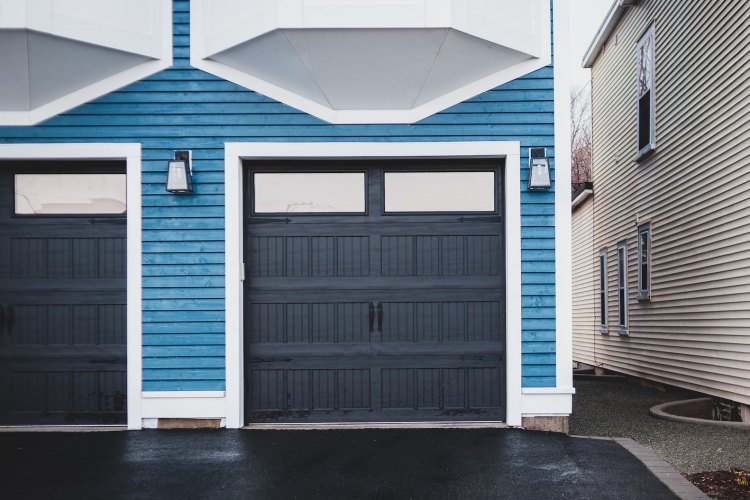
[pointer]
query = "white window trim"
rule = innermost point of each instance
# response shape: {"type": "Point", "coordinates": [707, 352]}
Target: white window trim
{"type": "Point", "coordinates": [131, 153]}
{"type": "Point", "coordinates": [235, 153]}
{"type": "Point", "coordinates": [603, 279]}
{"type": "Point", "coordinates": [651, 146]}
{"type": "Point", "coordinates": [622, 304]}
{"type": "Point", "coordinates": [644, 294]}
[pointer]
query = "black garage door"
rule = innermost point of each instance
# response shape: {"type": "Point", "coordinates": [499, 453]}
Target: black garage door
{"type": "Point", "coordinates": [374, 292]}
{"type": "Point", "coordinates": [62, 293]}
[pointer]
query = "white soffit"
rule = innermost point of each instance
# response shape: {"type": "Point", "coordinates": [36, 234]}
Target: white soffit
{"type": "Point", "coordinates": [370, 61]}
{"type": "Point", "coordinates": [59, 54]}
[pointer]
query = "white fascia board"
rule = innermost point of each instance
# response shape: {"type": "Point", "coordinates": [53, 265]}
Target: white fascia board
{"type": "Point", "coordinates": [235, 153]}
{"type": "Point", "coordinates": [83, 96]}
{"type": "Point", "coordinates": [563, 217]}
{"type": "Point", "coordinates": [369, 116]}
{"type": "Point", "coordinates": [582, 196]}
{"type": "Point", "coordinates": [13, 14]}
{"type": "Point", "coordinates": [131, 153]}
{"type": "Point", "coordinates": [102, 87]}
{"type": "Point", "coordinates": [526, 30]}
{"type": "Point", "coordinates": [206, 42]}
{"type": "Point", "coordinates": [133, 26]}
{"type": "Point", "coordinates": [606, 29]}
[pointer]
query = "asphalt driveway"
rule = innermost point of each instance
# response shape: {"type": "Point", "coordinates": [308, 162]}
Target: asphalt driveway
{"type": "Point", "coordinates": [472, 464]}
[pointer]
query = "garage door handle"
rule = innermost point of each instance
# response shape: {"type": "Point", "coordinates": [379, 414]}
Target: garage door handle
{"type": "Point", "coordinates": [498, 218]}
{"type": "Point", "coordinates": [118, 221]}
{"type": "Point", "coordinates": [10, 319]}
{"type": "Point", "coordinates": [372, 317]}
{"type": "Point", "coordinates": [2, 319]}
{"type": "Point", "coordinates": [257, 220]}
{"type": "Point", "coordinates": [380, 317]}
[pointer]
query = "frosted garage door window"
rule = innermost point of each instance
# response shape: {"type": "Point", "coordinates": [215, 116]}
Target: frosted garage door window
{"type": "Point", "coordinates": [341, 192]}
{"type": "Point", "coordinates": [440, 191]}
{"type": "Point", "coordinates": [70, 194]}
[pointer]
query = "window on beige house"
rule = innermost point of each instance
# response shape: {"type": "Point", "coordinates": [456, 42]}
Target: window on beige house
{"type": "Point", "coordinates": [646, 121]}
{"type": "Point", "coordinates": [622, 287]}
{"type": "Point", "coordinates": [644, 262]}
{"type": "Point", "coordinates": [603, 291]}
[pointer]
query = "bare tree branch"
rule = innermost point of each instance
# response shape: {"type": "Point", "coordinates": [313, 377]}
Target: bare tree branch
{"type": "Point", "coordinates": [580, 136]}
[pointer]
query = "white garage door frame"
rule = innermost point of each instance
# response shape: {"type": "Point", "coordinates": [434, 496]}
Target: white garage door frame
{"type": "Point", "coordinates": [235, 153]}
{"type": "Point", "coordinates": [131, 154]}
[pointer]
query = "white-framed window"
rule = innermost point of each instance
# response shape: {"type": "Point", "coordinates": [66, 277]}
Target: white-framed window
{"type": "Point", "coordinates": [622, 286]}
{"type": "Point", "coordinates": [645, 93]}
{"type": "Point", "coordinates": [644, 262]}
{"type": "Point", "coordinates": [603, 292]}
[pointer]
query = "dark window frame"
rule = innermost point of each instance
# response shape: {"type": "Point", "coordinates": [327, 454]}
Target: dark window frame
{"type": "Point", "coordinates": [61, 167]}
{"type": "Point", "coordinates": [603, 292]}
{"type": "Point", "coordinates": [644, 261]}
{"type": "Point", "coordinates": [622, 287]}
{"type": "Point", "coordinates": [646, 101]}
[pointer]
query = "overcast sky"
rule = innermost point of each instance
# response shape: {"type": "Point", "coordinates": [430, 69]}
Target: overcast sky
{"type": "Point", "coordinates": [586, 16]}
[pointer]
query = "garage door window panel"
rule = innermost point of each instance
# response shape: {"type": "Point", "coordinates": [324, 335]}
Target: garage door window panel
{"type": "Point", "coordinates": [309, 192]}
{"type": "Point", "coordinates": [440, 191]}
{"type": "Point", "coordinates": [70, 194]}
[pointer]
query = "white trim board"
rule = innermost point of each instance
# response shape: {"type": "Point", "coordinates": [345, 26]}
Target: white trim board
{"type": "Point", "coordinates": [235, 153]}
{"type": "Point", "coordinates": [563, 216]}
{"type": "Point", "coordinates": [131, 153]}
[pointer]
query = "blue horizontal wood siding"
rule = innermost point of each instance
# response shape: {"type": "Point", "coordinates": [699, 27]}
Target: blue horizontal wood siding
{"type": "Point", "coordinates": [183, 237]}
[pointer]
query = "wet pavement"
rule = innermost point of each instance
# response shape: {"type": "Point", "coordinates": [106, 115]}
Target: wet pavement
{"type": "Point", "coordinates": [377, 464]}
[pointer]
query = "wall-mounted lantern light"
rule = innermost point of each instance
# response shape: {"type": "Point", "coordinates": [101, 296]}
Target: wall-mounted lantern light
{"type": "Point", "coordinates": [180, 174]}
{"type": "Point", "coordinates": [539, 178]}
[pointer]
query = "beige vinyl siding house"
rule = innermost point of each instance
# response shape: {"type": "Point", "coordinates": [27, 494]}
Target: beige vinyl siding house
{"type": "Point", "coordinates": [691, 184]}
{"type": "Point", "coordinates": [585, 275]}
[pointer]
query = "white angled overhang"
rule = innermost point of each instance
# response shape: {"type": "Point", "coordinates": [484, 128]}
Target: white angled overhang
{"type": "Point", "coordinates": [370, 61]}
{"type": "Point", "coordinates": [58, 54]}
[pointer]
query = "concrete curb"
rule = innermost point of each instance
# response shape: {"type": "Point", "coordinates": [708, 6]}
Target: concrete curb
{"type": "Point", "coordinates": [376, 425]}
{"type": "Point", "coordinates": [665, 411]}
{"type": "Point", "coordinates": [663, 471]}
{"type": "Point", "coordinates": [64, 428]}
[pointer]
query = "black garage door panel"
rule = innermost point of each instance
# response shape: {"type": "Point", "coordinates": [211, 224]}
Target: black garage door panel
{"type": "Point", "coordinates": [374, 317]}
{"type": "Point", "coordinates": [62, 312]}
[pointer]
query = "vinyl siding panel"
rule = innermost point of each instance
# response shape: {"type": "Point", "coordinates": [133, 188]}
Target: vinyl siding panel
{"type": "Point", "coordinates": [695, 330]}
{"type": "Point", "coordinates": [183, 236]}
{"type": "Point", "coordinates": [585, 284]}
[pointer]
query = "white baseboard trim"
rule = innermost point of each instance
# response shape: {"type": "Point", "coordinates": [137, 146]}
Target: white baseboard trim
{"type": "Point", "coordinates": [546, 404]}
{"type": "Point", "coordinates": [184, 394]}
{"type": "Point", "coordinates": [155, 407]}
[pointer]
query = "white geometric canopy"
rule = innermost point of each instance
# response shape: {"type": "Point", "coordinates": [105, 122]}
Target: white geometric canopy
{"type": "Point", "coordinates": [370, 61]}
{"type": "Point", "coordinates": [58, 54]}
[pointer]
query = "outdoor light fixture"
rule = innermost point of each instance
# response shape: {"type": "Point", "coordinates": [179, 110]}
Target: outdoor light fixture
{"type": "Point", "coordinates": [539, 179]}
{"type": "Point", "coordinates": [180, 174]}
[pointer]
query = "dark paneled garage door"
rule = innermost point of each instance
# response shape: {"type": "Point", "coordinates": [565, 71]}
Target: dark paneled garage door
{"type": "Point", "coordinates": [374, 292]}
{"type": "Point", "coordinates": [62, 294]}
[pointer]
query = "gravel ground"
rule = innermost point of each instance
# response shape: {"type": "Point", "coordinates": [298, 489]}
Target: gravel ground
{"type": "Point", "coordinates": [620, 409]}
